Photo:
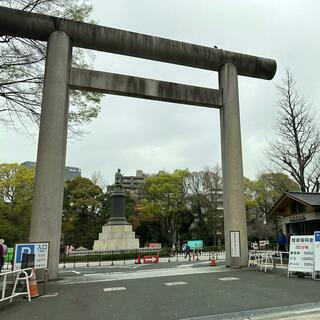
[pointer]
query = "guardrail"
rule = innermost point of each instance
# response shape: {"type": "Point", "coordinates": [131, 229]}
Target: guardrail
{"type": "Point", "coordinates": [18, 276]}
{"type": "Point", "coordinates": [267, 259]}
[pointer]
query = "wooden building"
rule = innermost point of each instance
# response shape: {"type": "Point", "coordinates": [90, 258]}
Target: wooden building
{"type": "Point", "coordinates": [299, 212]}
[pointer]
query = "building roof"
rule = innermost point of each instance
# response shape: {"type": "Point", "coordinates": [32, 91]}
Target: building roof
{"type": "Point", "coordinates": [307, 198]}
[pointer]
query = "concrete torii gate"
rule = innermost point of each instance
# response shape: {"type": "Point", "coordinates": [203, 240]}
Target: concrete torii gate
{"type": "Point", "coordinates": [61, 35]}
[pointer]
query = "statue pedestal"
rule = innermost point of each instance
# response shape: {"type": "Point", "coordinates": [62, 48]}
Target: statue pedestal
{"type": "Point", "coordinates": [117, 234]}
{"type": "Point", "coordinates": [116, 237]}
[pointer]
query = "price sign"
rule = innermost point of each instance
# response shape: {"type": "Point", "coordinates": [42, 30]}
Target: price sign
{"type": "Point", "coordinates": [317, 251]}
{"type": "Point", "coordinates": [301, 258]}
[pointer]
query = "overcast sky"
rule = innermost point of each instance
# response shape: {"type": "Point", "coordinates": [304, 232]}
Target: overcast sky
{"type": "Point", "coordinates": [135, 134]}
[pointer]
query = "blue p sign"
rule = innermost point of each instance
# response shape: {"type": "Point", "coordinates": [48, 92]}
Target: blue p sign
{"type": "Point", "coordinates": [23, 248]}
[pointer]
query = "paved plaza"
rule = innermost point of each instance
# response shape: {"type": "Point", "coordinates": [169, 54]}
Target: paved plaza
{"type": "Point", "coordinates": [184, 290]}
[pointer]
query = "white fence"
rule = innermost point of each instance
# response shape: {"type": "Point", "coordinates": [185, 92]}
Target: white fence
{"type": "Point", "coordinates": [18, 277]}
{"type": "Point", "coordinates": [267, 259]}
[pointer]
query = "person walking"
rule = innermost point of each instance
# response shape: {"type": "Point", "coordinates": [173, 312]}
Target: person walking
{"type": "Point", "coordinates": [1, 256]}
{"type": "Point", "coordinates": [5, 248]}
{"type": "Point", "coordinates": [282, 241]}
{"type": "Point", "coordinates": [188, 252]}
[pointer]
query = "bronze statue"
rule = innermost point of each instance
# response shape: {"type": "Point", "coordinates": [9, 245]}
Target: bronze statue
{"type": "Point", "coordinates": [118, 178]}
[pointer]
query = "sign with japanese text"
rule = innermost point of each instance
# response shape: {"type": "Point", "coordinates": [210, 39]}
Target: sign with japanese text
{"type": "Point", "coordinates": [39, 249]}
{"type": "Point", "coordinates": [235, 244]}
{"type": "Point", "coordinates": [317, 251]}
{"type": "Point", "coordinates": [301, 254]}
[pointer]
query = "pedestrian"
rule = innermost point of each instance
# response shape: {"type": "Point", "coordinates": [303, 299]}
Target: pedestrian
{"type": "Point", "coordinates": [282, 241]}
{"type": "Point", "coordinates": [188, 252]}
{"type": "Point", "coordinates": [5, 248]}
{"type": "Point", "coordinates": [1, 256]}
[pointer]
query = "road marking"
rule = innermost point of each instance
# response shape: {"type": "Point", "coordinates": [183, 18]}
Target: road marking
{"type": "Point", "coordinates": [293, 312]}
{"type": "Point", "coordinates": [76, 272]}
{"type": "Point", "coordinates": [228, 279]}
{"type": "Point", "coordinates": [185, 265]}
{"type": "Point", "coordinates": [49, 295]}
{"type": "Point", "coordinates": [114, 289]}
{"type": "Point", "coordinates": [178, 283]}
{"type": "Point", "coordinates": [142, 274]}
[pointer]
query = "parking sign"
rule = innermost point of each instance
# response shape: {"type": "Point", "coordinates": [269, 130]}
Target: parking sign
{"type": "Point", "coordinates": [39, 249]}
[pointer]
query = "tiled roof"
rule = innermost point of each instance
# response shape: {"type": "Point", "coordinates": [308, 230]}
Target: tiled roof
{"type": "Point", "coordinates": [313, 199]}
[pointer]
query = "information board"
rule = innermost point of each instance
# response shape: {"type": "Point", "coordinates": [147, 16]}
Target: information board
{"type": "Point", "coordinates": [39, 249]}
{"type": "Point", "coordinates": [317, 251]}
{"type": "Point", "coordinates": [235, 244]}
{"type": "Point", "coordinates": [195, 244]}
{"type": "Point", "coordinates": [154, 245]}
{"type": "Point", "coordinates": [301, 255]}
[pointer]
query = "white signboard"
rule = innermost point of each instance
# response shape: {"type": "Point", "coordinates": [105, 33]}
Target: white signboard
{"type": "Point", "coordinates": [235, 244]}
{"type": "Point", "coordinates": [301, 254]}
{"type": "Point", "coordinates": [317, 251]}
{"type": "Point", "coordinates": [39, 249]}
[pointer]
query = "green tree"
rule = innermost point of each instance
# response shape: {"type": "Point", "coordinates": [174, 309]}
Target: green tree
{"type": "Point", "coordinates": [261, 195]}
{"type": "Point", "coordinates": [85, 211]}
{"type": "Point", "coordinates": [16, 189]}
{"type": "Point", "coordinates": [166, 199]}
{"type": "Point", "coordinates": [22, 69]}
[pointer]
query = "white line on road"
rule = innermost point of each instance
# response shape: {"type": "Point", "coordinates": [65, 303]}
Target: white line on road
{"type": "Point", "coordinates": [76, 272]}
{"type": "Point", "coordinates": [141, 274]}
{"type": "Point", "coordinates": [178, 283]}
{"type": "Point", "coordinates": [228, 279]}
{"type": "Point", "coordinates": [50, 295]}
{"type": "Point", "coordinates": [114, 289]}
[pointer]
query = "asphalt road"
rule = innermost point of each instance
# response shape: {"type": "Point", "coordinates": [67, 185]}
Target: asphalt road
{"type": "Point", "coordinates": [175, 291]}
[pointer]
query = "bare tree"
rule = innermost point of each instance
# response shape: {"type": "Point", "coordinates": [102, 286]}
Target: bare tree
{"type": "Point", "coordinates": [296, 148]}
{"type": "Point", "coordinates": [22, 70]}
{"type": "Point", "coordinates": [212, 182]}
{"type": "Point", "coordinates": [205, 189]}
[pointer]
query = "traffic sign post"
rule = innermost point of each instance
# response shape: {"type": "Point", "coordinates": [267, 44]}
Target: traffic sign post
{"type": "Point", "coordinates": [40, 250]}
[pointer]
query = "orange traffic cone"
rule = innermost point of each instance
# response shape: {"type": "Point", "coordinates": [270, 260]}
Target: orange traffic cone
{"type": "Point", "coordinates": [213, 262]}
{"type": "Point", "coordinates": [33, 287]}
{"type": "Point", "coordinates": [138, 260]}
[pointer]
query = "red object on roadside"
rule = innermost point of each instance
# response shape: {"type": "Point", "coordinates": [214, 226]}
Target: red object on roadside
{"type": "Point", "coordinates": [138, 260]}
{"type": "Point", "coordinates": [213, 262]}
{"type": "Point", "coordinates": [151, 259]}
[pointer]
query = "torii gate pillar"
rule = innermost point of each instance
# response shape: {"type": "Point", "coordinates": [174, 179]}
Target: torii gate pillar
{"type": "Point", "coordinates": [48, 193]}
{"type": "Point", "coordinates": [235, 227]}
